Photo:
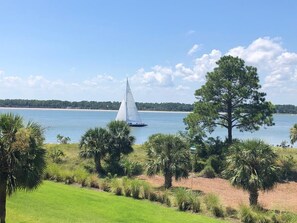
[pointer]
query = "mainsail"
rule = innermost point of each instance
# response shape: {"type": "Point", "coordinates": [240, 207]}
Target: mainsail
{"type": "Point", "coordinates": [128, 111]}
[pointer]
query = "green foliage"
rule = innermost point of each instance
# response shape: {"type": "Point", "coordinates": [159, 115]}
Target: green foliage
{"type": "Point", "coordinates": [108, 144]}
{"type": "Point", "coordinates": [182, 199]}
{"type": "Point", "coordinates": [230, 98]}
{"type": "Point", "coordinates": [287, 165]}
{"type": "Point", "coordinates": [164, 198]}
{"type": "Point", "coordinates": [293, 134]}
{"type": "Point", "coordinates": [56, 155]}
{"type": "Point", "coordinates": [147, 189]}
{"type": "Point", "coordinates": [136, 188]}
{"type": "Point", "coordinates": [169, 155]}
{"type": "Point", "coordinates": [213, 204]}
{"type": "Point", "coordinates": [251, 166]}
{"type": "Point", "coordinates": [208, 172]}
{"type": "Point", "coordinates": [127, 187]}
{"type": "Point", "coordinates": [131, 168]}
{"type": "Point", "coordinates": [22, 158]}
{"type": "Point", "coordinates": [63, 139]}
{"type": "Point", "coordinates": [116, 186]}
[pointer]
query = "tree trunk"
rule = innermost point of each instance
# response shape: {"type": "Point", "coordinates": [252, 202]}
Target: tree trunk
{"type": "Point", "coordinates": [98, 166]}
{"type": "Point", "coordinates": [168, 180]}
{"type": "Point", "coordinates": [229, 118]}
{"type": "Point", "coordinates": [3, 188]}
{"type": "Point", "coordinates": [253, 197]}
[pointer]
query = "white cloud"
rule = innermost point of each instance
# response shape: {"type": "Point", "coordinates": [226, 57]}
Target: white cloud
{"type": "Point", "coordinates": [194, 49]}
{"type": "Point", "coordinates": [276, 65]}
{"type": "Point", "coordinates": [277, 68]}
{"type": "Point", "coordinates": [158, 77]}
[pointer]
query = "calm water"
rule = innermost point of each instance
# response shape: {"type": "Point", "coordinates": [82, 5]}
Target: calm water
{"type": "Point", "coordinates": [74, 123]}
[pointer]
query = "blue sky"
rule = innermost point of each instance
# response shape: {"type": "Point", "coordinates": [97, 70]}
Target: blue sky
{"type": "Point", "coordinates": [84, 50]}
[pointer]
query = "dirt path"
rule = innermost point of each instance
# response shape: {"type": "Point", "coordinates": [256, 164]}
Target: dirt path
{"type": "Point", "coordinates": [282, 197]}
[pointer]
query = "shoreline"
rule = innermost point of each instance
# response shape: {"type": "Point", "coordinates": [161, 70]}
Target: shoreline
{"type": "Point", "coordinates": [79, 109]}
{"type": "Point", "coordinates": [103, 110]}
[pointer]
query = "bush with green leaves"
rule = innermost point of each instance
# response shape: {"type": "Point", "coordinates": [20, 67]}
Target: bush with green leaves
{"type": "Point", "coordinates": [131, 168]}
{"type": "Point", "coordinates": [127, 186]}
{"type": "Point", "coordinates": [116, 186]}
{"type": "Point", "coordinates": [164, 198]}
{"type": "Point", "coordinates": [208, 172]}
{"type": "Point", "coordinates": [56, 155]}
{"type": "Point", "coordinates": [212, 203]}
{"type": "Point", "coordinates": [136, 186]}
{"type": "Point", "coordinates": [287, 165]}
{"type": "Point", "coordinates": [182, 199]}
{"type": "Point", "coordinates": [146, 190]}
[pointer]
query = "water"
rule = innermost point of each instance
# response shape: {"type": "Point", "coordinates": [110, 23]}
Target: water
{"type": "Point", "coordinates": [74, 123]}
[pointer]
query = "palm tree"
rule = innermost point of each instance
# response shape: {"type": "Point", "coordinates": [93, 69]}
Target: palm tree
{"type": "Point", "coordinates": [293, 134]}
{"type": "Point", "coordinates": [22, 158]}
{"type": "Point", "coordinates": [251, 166]}
{"type": "Point", "coordinates": [94, 144]}
{"type": "Point", "coordinates": [120, 143]}
{"type": "Point", "coordinates": [169, 155]}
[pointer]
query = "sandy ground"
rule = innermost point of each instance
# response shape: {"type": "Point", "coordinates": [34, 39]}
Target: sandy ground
{"type": "Point", "coordinates": [282, 197]}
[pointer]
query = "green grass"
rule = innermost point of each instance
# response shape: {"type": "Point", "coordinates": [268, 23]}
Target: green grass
{"type": "Point", "coordinates": [54, 202]}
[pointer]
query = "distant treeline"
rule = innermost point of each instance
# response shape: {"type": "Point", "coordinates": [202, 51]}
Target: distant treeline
{"type": "Point", "coordinates": [105, 105]}
{"type": "Point", "coordinates": [286, 109]}
{"type": "Point", "coordinates": [108, 105]}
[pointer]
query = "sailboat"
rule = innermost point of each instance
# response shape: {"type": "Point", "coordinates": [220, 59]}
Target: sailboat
{"type": "Point", "coordinates": [128, 111]}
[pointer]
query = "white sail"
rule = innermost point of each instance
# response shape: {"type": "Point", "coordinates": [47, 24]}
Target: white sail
{"type": "Point", "coordinates": [128, 111]}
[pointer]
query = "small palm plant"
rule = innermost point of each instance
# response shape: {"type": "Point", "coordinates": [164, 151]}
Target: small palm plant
{"type": "Point", "coordinates": [169, 155]}
{"type": "Point", "coordinates": [251, 166]}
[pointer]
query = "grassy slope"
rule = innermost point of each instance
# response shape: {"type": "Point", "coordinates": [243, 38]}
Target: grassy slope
{"type": "Point", "coordinates": [54, 202]}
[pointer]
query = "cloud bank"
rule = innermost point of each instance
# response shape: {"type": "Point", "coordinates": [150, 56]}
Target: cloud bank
{"type": "Point", "coordinates": [277, 68]}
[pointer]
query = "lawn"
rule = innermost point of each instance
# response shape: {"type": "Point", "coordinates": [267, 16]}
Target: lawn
{"type": "Point", "coordinates": [55, 202]}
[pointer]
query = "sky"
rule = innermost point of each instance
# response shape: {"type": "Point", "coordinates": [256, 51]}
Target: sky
{"type": "Point", "coordinates": [85, 50]}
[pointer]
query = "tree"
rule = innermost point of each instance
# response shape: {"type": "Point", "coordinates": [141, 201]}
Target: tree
{"type": "Point", "coordinates": [63, 139]}
{"type": "Point", "coordinates": [120, 143]}
{"type": "Point", "coordinates": [169, 155]}
{"type": "Point", "coordinates": [251, 166]}
{"type": "Point", "coordinates": [293, 134]}
{"type": "Point", "coordinates": [230, 98]}
{"type": "Point", "coordinates": [94, 144]}
{"type": "Point", "coordinates": [22, 158]}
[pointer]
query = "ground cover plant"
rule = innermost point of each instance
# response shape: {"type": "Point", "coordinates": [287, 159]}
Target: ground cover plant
{"type": "Point", "coordinates": [69, 204]}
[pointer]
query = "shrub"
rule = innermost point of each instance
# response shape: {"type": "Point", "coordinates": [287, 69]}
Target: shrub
{"type": "Point", "coordinates": [81, 176]}
{"type": "Point", "coordinates": [132, 168]}
{"type": "Point", "coordinates": [105, 184]}
{"type": "Point", "coordinates": [287, 165]}
{"type": "Point", "coordinates": [127, 187]}
{"type": "Point", "coordinates": [135, 188]}
{"type": "Point", "coordinates": [212, 203]}
{"type": "Point", "coordinates": [94, 181]}
{"type": "Point", "coordinates": [194, 202]}
{"type": "Point", "coordinates": [231, 212]}
{"type": "Point", "coordinates": [254, 215]}
{"type": "Point", "coordinates": [182, 199]}
{"type": "Point", "coordinates": [211, 200]}
{"type": "Point", "coordinates": [153, 196]}
{"type": "Point", "coordinates": [164, 198]}
{"type": "Point", "coordinates": [116, 186]}
{"type": "Point", "coordinates": [146, 190]}
{"type": "Point", "coordinates": [208, 172]}
{"type": "Point", "coordinates": [56, 155]}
